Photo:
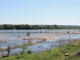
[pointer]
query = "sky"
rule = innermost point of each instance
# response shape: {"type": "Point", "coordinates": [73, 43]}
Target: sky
{"type": "Point", "coordinates": [50, 12]}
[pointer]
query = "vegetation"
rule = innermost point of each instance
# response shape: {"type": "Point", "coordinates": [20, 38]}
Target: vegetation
{"type": "Point", "coordinates": [28, 34]}
{"type": "Point", "coordinates": [55, 54]}
{"type": "Point", "coordinates": [43, 39]}
{"type": "Point", "coordinates": [24, 48]}
{"type": "Point", "coordinates": [26, 26]}
{"type": "Point", "coordinates": [75, 56]}
{"type": "Point", "coordinates": [68, 32]}
{"type": "Point", "coordinates": [8, 50]}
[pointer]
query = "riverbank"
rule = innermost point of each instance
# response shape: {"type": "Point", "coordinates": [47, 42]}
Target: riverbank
{"type": "Point", "coordinates": [54, 54]}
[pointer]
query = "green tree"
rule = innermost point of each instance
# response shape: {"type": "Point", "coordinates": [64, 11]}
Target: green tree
{"type": "Point", "coordinates": [55, 26]}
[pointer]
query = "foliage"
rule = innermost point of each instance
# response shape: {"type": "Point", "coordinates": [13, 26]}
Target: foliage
{"type": "Point", "coordinates": [26, 26]}
{"type": "Point", "coordinates": [24, 48]}
{"type": "Point", "coordinates": [29, 52]}
{"type": "Point", "coordinates": [28, 34]}
{"type": "Point", "coordinates": [9, 49]}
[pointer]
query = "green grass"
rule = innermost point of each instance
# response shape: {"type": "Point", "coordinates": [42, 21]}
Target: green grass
{"type": "Point", "coordinates": [76, 56]}
{"type": "Point", "coordinates": [55, 54]}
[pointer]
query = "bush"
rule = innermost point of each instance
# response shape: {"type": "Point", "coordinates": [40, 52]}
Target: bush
{"type": "Point", "coordinates": [28, 34]}
{"type": "Point", "coordinates": [29, 52]}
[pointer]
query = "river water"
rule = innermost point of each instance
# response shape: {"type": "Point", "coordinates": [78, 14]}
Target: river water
{"type": "Point", "coordinates": [12, 35]}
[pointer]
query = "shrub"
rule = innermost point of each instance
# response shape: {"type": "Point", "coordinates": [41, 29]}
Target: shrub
{"type": "Point", "coordinates": [9, 49]}
{"type": "Point", "coordinates": [28, 34]}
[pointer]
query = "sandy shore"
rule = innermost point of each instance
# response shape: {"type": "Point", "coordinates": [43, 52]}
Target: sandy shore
{"type": "Point", "coordinates": [41, 37]}
{"type": "Point", "coordinates": [3, 35]}
{"type": "Point", "coordinates": [3, 39]}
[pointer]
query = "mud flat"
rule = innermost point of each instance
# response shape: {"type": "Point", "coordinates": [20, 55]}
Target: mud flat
{"type": "Point", "coordinates": [3, 35]}
{"type": "Point", "coordinates": [41, 37]}
{"type": "Point", "coordinates": [3, 39]}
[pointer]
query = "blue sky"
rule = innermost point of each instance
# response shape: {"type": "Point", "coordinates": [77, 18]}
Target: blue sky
{"type": "Point", "coordinates": [60, 12]}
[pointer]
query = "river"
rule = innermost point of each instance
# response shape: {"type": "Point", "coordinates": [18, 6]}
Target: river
{"type": "Point", "coordinates": [11, 36]}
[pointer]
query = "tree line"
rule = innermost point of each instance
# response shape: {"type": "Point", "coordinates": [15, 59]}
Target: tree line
{"type": "Point", "coordinates": [26, 26]}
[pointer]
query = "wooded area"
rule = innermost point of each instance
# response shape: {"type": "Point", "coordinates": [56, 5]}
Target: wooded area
{"type": "Point", "coordinates": [26, 26]}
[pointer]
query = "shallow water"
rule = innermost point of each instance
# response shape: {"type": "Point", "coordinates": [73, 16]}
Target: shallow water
{"type": "Point", "coordinates": [50, 44]}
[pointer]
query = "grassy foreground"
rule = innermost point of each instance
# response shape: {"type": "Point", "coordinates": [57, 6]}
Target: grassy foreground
{"type": "Point", "coordinates": [74, 56]}
{"type": "Point", "coordinates": [55, 54]}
